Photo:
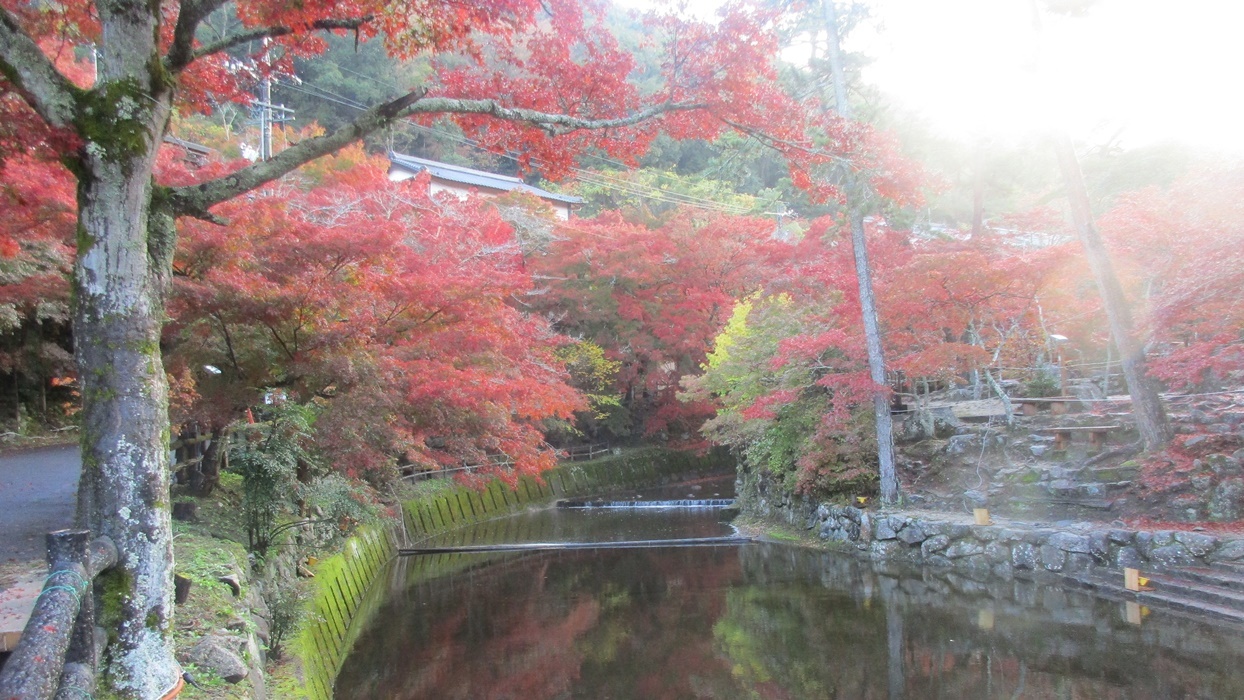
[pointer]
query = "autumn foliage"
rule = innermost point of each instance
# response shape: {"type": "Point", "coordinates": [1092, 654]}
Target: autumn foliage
{"type": "Point", "coordinates": [394, 310]}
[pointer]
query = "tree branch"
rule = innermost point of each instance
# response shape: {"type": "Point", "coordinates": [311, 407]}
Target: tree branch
{"type": "Point", "coordinates": [181, 53]}
{"type": "Point", "coordinates": [258, 33]}
{"type": "Point", "coordinates": [36, 79]}
{"type": "Point", "coordinates": [195, 200]}
{"type": "Point", "coordinates": [555, 124]}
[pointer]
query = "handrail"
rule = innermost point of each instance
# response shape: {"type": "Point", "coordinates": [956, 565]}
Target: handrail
{"type": "Point", "coordinates": [56, 656]}
{"type": "Point", "coordinates": [586, 451]}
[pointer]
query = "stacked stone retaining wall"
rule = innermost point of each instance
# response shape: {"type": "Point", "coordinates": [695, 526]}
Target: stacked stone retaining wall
{"type": "Point", "coordinates": [1004, 548]}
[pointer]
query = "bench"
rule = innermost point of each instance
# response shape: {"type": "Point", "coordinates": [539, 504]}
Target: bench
{"type": "Point", "coordinates": [1097, 434]}
{"type": "Point", "coordinates": [1057, 405]}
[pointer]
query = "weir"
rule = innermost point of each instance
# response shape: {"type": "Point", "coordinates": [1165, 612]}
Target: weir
{"type": "Point", "coordinates": [678, 503]}
{"type": "Point", "coordinates": [547, 546]}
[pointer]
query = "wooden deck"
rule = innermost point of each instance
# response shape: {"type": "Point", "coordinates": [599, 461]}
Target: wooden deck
{"type": "Point", "coordinates": [16, 603]}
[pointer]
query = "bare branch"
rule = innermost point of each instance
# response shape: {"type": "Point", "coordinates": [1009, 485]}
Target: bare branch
{"type": "Point", "coordinates": [40, 84]}
{"type": "Point", "coordinates": [258, 33]}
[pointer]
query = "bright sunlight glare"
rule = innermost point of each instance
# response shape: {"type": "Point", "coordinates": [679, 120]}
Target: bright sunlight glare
{"type": "Point", "coordinates": [1141, 71]}
{"type": "Point", "coordinates": [1147, 70]}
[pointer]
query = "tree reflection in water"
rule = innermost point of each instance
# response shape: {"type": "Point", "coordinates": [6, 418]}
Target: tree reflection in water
{"type": "Point", "coordinates": [763, 621]}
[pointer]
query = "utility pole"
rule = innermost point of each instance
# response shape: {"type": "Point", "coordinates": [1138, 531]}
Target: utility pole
{"type": "Point", "coordinates": [269, 114]}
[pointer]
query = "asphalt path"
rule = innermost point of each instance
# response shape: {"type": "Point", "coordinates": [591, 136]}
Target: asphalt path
{"type": "Point", "coordinates": [38, 493]}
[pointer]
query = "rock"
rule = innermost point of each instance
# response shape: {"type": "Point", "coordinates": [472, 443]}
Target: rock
{"type": "Point", "coordinates": [1222, 465]}
{"type": "Point", "coordinates": [998, 553]}
{"type": "Point", "coordinates": [1099, 547]}
{"type": "Point", "coordinates": [1052, 558]}
{"type": "Point", "coordinates": [958, 444]}
{"type": "Point", "coordinates": [262, 629]}
{"type": "Point", "coordinates": [1024, 556]}
{"type": "Point", "coordinates": [1069, 542]}
{"type": "Point", "coordinates": [220, 654]}
{"type": "Point", "coordinates": [1198, 545]}
{"type": "Point", "coordinates": [976, 498]}
{"type": "Point", "coordinates": [1062, 487]}
{"type": "Point", "coordinates": [934, 544]}
{"type": "Point", "coordinates": [1038, 450]}
{"type": "Point", "coordinates": [1121, 536]}
{"type": "Point", "coordinates": [233, 583]}
{"type": "Point", "coordinates": [1078, 562]}
{"type": "Point", "coordinates": [1232, 550]}
{"type": "Point", "coordinates": [885, 530]}
{"type": "Point", "coordinates": [1172, 555]}
{"type": "Point", "coordinates": [912, 534]}
{"type": "Point", "coordinates": [1195, 440]}
{"type": "Point", "coordinates": [1224, 505]}
{"type": "Point", "coordinates": [885, 549]}
{"type": "Point", "coordinates": [959, 550]}
{"type": "Point", "coordinates": [1202, 482]}
{"type": "Point", "coordinates": [1129, 557]}
{"type": "Point", "coordinates": [186, 511]}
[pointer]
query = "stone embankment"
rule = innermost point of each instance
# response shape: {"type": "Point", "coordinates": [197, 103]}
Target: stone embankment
{"type": "Point", "coordinates": [947, 539]}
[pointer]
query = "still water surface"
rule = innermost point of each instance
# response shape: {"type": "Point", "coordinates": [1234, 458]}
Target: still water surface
{"type": "Point", "coordinates": [753, 621]}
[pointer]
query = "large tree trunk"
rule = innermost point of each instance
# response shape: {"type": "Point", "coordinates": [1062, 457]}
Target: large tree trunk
{"type": "Point", "coordinates": [124, 490]}
{"type": "Point", "coordinates": [1151, 422]}
{"type": "Point", "coordinates": [121, 276]}
{"type": "Point", "coordinates": [863, 271]}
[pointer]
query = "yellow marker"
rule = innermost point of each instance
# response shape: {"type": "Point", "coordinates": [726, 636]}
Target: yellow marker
{"type": "Point", "coordinates": [861, 499]}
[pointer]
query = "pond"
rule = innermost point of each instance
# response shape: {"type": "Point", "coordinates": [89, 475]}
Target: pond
{"type": "Point", "coordinates": [754, 621]}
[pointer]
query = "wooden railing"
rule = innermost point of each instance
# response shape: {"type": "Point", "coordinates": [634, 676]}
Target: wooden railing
{"type": "Point", "coordinates": [585, 452]}
{"type": "Point", "coordinates": [56, 656]}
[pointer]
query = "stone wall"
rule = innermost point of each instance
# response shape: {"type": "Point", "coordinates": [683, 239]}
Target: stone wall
{"type": "Point", "coordinates": [940, 539]}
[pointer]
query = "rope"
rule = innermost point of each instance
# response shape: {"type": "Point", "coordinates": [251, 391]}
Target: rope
{"type": "Point", "coordinates": [81, 579]}
{"type": "Point", "coordinates": [77, 597]}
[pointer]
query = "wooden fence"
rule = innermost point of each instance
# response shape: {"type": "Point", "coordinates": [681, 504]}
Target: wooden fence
{"type": "Point", "coordinates": [57, 657]}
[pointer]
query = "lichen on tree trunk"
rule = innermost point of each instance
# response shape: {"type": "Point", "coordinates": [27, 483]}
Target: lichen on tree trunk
{"type": "Point", "coordinates": [119, 286]}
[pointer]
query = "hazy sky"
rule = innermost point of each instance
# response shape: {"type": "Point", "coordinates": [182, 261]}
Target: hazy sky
{"type": "Point", "coordinates": [1155, 69]}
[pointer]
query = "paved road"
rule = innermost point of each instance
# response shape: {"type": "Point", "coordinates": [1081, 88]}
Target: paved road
{"type": "Point", "coordinates": [38, 491]}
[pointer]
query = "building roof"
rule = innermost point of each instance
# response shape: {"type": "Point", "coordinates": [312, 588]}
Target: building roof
{"type": "Point", "coordinates": [474, 178]}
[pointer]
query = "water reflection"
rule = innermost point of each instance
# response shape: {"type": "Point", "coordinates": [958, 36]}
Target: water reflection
{"type": "Point", "coordinates": [763, 621]}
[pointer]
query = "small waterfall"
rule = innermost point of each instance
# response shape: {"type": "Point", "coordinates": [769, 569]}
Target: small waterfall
{"type": "Point", "coordinates": [679, 503]}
